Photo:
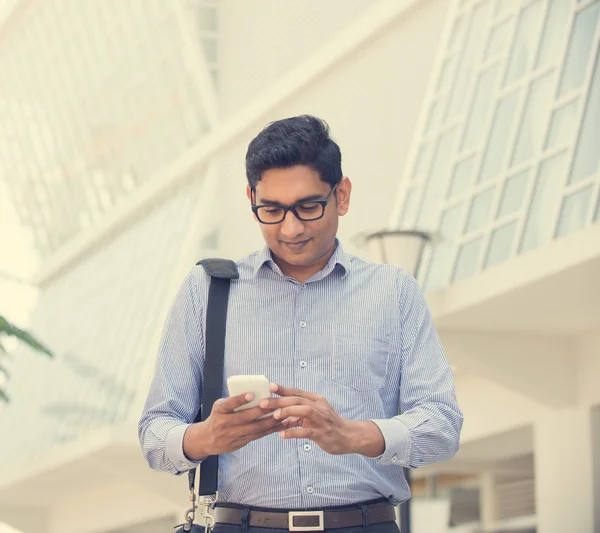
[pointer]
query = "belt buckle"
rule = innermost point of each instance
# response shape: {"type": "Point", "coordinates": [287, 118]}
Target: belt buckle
{"type": "Point", "coordinates": [316, 514]}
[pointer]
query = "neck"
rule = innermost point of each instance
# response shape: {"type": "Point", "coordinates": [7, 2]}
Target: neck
{"type": "Point", "coordinates": [301, 273]}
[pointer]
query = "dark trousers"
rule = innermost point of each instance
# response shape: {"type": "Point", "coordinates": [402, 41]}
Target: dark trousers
{"type": "Point", "coordinates": [385, 527]}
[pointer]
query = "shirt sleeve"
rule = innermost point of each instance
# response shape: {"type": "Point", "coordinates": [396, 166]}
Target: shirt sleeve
{"type": "Point", "coordinates": [175, 393]}
{"type": "Point", "coordinates": [428, 429]}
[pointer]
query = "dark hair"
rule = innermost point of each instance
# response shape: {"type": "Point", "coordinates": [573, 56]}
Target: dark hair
{"type": "Point", "coordinates": [302, 140]}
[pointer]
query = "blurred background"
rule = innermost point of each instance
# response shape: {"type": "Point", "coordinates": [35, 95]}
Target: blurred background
{"type": "Point", "coordinates": [123, 130]}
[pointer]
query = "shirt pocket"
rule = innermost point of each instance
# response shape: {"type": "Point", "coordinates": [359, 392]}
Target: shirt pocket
{"type": "Point", "coordinates": [360, 356]}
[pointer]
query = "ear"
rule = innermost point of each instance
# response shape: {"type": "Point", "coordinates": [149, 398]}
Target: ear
{"type": "Point", "coordinates": [249, 193]}
{"type": "Point", "coordinates": [343, 192]}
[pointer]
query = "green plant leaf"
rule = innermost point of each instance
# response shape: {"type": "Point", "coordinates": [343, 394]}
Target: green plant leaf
{"type": "Point", "coordinates": [11, 330]}
{"type": "Point", "coordinates": [4, 396]}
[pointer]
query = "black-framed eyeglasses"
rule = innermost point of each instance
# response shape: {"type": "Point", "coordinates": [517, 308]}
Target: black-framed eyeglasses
{"type": "Point", "coordinates": [305, 211]}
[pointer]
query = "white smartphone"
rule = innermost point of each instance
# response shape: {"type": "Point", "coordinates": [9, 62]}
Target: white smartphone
{"type": "Point", "coordinates": [259, 386]}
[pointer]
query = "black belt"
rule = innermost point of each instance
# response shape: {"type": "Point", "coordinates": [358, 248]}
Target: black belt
{"type": "Point", "coordinates": [359, 515]}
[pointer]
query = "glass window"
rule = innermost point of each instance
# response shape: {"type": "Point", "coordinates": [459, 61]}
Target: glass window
{"type": "Point", "coordinates": [525, 41]}
{"type": "Point", "coordinates": [423, 161]}
{"type": "Point", "coordinates": [480, 211]}
{"type": "Point", "coordinates": [463, 174]}
{"type": "Point", "coordinates": [531, 132]}
{"type": "Point", "coordinates": [467, 259]}
{"type": "Point", "coordinates": [501, 243]}
{"type": "Point", "coordinates": [495, 153]}
{"type": "Point", "coordinates": [498, 41]}
{"type": "Point", "coordinates": [544, 203]}
{"type": "Point", "coordinates": [574, 210]}
{"type": "Point", "coordinates": [442, 254]}
{"type": "Point", "coordinates": [435, 114]}
{"type": "Point", "coordinates": [436, 184]}
{"type": "Point", "coordinates": [411, 207]}
{"type": "Point", "coordinates": [580, 46]}
{"type": "Point", "coordinates": [513, 194]}
{"type": "Point", "coordinates": [588, 147]}
{"type": "Point", "coordinates": [562, 125]}
{"type": "Point", "coordinates": [480, 107]}
{"type": "Point", "coordinates": [555, 28]}
{"type": "Point", "coordinates": [469, 58]}
{"type": "Point", "coordinates": [446, 78]}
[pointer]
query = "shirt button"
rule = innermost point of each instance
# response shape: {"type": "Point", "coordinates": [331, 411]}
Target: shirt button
{"type": "Point", "coordinates": [303, 364]}
{"type": "Point", "coordinates": [303, 287]}
{"type": "Point", "coordinates": [394, 459]}
{"type": "Point", "coordinates": [303, 324]}
{"type": "Point", "coordinates": [307, 448]}
{"type": "Point", "coordinates": [310, 490]}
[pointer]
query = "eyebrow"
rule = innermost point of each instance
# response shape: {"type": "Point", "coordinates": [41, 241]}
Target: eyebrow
{"type": "Point", "coordinates": [310, 198]}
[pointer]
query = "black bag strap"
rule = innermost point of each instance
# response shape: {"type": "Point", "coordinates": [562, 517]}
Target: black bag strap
{"type": "Point", "coordinates": [221, 271]}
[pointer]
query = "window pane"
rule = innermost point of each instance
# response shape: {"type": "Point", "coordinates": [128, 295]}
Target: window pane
{"type": "Point", "coordinates": [423, 162]}
{"type": "Point", "coordinates": [468, 58]}
{"type": "Point", "coordinates": [495, 153]}
{"type": "Point", "coordinates": [498, 40]}
{"type": "Point", "coordinates": [555, 28]}
{"type": "Point", "coordinates": [411, 208]}
{"type": "Point", "coordinates": [513, 194]}
{"type": "Point", "coordinates": [440, 263]}
{"type": "Point", "coordinates": [480, 211]}
{"type": "Point", "coordinates": [574, 210]}
{"type": "Point", "coordinates": [587, 152]}
{"type": "Point", "coordinates": [525, 41]}
{"type": "Point", "coordinates": [480, 108]}
{"type": "Point", "coordinates": [580, 46]}
{"type": "Point", "coordinates": [446, 78]}
{"type": "Point", "coordinates": [466, 261]}
{"type": "Point", "coordinates": [436, 184]}
{"type": "Point", "coordinates": [531, 132]}
{"type": "Point", "coordinates": [546, 198]}
{"type": "Point", "coordinates": [562, 125]}
{"type": "Point", "coordinates": [462, 177]}
{"type": "Point", "coordinates": [501, 243]}
{"type": "Point", "coordinates": [435, 114]}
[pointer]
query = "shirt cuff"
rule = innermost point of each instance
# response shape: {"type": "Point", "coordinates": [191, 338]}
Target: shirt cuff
{"type": "Point", "coordinates": [174, 449]}
{"type": "Point", "coordinates": [397, 442]}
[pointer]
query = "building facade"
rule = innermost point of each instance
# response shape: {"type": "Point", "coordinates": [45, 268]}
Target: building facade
{"type": "Point", "coordinates": [124, 129]}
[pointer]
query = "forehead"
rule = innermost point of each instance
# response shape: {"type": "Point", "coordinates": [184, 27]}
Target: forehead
{"type": "Point", "coordinates": [290, 185]}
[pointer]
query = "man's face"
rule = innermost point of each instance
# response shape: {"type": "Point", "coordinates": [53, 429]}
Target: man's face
{"type": "Point", "coordinates": [293, 241]}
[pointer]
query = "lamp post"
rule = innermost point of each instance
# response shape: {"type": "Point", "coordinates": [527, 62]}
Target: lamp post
{"type": "Point", "coordinates": [403, 248]}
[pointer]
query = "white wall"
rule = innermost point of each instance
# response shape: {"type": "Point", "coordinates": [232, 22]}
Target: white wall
{"type": "Point", "coordinates": [371, 101]}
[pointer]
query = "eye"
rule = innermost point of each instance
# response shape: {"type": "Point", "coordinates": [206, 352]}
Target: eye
{"type": "Point", "coordinates": [272, 210]}
{"type": "Point", "coordinates": [309, 207]}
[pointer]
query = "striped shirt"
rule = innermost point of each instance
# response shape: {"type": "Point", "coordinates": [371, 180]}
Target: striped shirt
{"type": "Point", "coordinates": [359, 334]}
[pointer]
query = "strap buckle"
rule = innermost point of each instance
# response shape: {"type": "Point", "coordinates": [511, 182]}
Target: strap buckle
{"type": "Point", "coordinates": [313, 519]}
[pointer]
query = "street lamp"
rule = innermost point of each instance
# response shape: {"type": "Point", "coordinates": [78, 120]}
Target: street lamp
{"type": "Point", "coordinates": [403, 248]}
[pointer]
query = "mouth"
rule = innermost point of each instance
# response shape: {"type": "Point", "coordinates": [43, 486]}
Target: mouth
{"type": "Point", "coordinates": [295, 246]}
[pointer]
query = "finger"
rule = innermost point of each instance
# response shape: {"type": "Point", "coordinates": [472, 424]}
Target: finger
{"type": "Point", "coordinates": [290, 421]}
{"type": "Point", "coordinates": [300, 411]}
{"type": "Point", "coordinates": [297, 433]}
{"type": "Point", "coordinates": [277, 403]}
{"type": "Point", "coordinates": [288, 391]}
{"type": "Point", "coordinates": [227, 405]}
{"type": "Point", "coordinates": [249, 415]}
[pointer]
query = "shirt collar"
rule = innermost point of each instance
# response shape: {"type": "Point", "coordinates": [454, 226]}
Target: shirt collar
{"type": "Point", "coordinates": [339, 257]}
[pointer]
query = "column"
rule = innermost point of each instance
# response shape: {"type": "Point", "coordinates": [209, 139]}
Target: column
{"type": "Point", "coordinates": [564, 472]}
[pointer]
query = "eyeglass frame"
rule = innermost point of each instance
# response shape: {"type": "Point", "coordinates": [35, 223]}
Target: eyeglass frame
{"type": "Point", "coordinates": [323, 203]}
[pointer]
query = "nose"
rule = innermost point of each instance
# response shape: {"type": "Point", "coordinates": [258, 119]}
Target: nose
{"type": "Point", "coordinates": [291, 227]}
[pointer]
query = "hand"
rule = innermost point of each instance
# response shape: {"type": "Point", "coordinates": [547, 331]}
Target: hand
{"type": "Point", "coordinates": [315, 418]}
{"type": "Point", "coordinates": [225, 431]}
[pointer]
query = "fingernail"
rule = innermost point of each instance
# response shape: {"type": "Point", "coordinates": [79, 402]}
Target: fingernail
{"type": "Point", "coordinates": [249, 396]}
{"type": "Point", "coordinates": [282, 434]}
{"type": "Point", "coordinates": [264, 403]}
{"type": "Point", "coordinates": [277, 413]}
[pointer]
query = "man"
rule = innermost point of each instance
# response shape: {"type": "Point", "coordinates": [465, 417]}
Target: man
{"type": "Point", "coordinates": [345, 343]}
